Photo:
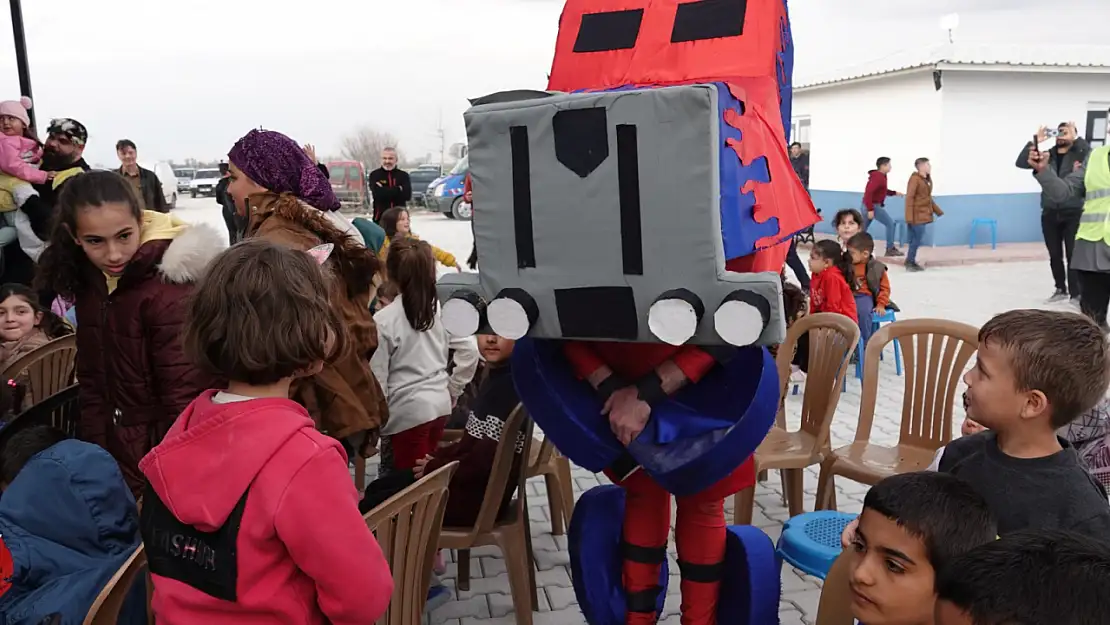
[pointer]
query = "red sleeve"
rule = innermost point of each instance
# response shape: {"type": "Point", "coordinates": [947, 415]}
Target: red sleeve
{"type": "Point", "coordinates": [177, 381]}
{"type": "Point", "coordinates": [466, 184]}
{"type": "Point", "coordinates": [841, 300]}
{"type": "Point", "coordinates": [873, 186]}
{"type": "Point", "coordinates": [319, 523]}
{"type": "Point", "coordinates": [583, 358]}
{"type": "Point", "coordinates": [694, 362]}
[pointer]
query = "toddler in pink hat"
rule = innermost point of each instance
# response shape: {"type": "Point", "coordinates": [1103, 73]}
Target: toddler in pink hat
{"type": "Point", "coordinates": [19, 152]}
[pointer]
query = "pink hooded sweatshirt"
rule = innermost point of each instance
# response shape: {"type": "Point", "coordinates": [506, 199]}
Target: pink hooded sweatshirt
{"type": "Point", "coordinates": [11, 159]}
{"type": "Point", "coordinates": [303, 552]}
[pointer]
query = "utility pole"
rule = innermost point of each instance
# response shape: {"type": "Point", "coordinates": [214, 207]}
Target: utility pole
{"type": "Point", "coordinates": [21, 54]}
{"type": "Point", "coordinates": [442, 140]}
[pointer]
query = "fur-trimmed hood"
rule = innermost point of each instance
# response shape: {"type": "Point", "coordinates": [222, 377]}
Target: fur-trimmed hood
{"type": "Point", "coordinates": [189, 254]}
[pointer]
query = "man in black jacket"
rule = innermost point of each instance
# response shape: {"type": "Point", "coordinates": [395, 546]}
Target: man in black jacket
{"type": "Point", "coordinates": [145, 182]}
{"type": "Point", "coordinates": [1060, 220]}
{"type": "Point", "coordinates": [389, 185]}
{"type": "Point", "coordinates": [62, 153]}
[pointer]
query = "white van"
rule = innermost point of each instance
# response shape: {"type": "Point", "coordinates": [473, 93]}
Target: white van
{"type": "Point", "coordinates": [168, 178]}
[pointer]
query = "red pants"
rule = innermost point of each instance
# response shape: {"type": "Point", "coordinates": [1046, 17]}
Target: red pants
{"type": "Point", "coordinates": [415, 443]}
{"type": "Point", "coordinates": [699, 536]}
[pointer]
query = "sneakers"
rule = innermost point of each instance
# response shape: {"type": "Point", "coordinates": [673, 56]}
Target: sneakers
{"type": "Point", "coordinates": [1059, 296]}
{"type": "Point", "coordinates": [914, 267]}
{"type": "Point", "coordinates": [1076, 303]}
{"type": "Point", "coordinates": [437, 596]}
{"type": "Point", "coordinates": [893, 251]}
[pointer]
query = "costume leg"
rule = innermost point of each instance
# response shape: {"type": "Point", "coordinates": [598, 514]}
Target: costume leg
{"type": "Point", "coordinates": [700, 537]}
{"type": "Point", "coordinates": [647, 522]}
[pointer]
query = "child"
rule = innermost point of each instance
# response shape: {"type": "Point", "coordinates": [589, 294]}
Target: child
{"type": "Point", "coordinates": [128, 272]}
{"type": "Point", "coordinates": [396, 221]}
{"type": "Point", "coordinates": [411, 359]}
{"type": "Point", "coordinates": [872, 293]}
{"type": "Point", "coordinates": [19, 149]}
{"type": "Point", "coordinates": [833, 276]}
{"type": "Point", "coordinates": [912, 526]}
{"type": "Point", "coordinates": [874, 202]}
{"type": "Point", "coordinates": [1036, 371]}
{"type": "Point", "coordinates": [920, 209]}
{"type": "Point", "coordinates": [58, 551]}
{"type": "Point", "coordinates": [387, 292]}
{"type": "Point", "coordinates": [794, 308]}
{"type": "Point", "coordinates": [244, 475]}
{"type": "Point", "coordinates": [24, 327]}
{"type": "Point", "coordinates": [847, 222]}
{"type": "Point", "coordinates": [1028, 578]}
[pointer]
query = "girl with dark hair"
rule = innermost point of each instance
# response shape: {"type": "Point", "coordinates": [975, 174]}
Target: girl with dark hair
{"type": "Point", "coordinates": [397, 224]}
{"type": "Point", "coordinates": [128, 273]}
{"type": "Point", "coordinates": [24, 327]}
{"type": "Point", "coordinates": [411, 361]}
{"type": "Point", "coordinates": [287, 200]}
{"type": "Point", "coordinates": [833, 278]}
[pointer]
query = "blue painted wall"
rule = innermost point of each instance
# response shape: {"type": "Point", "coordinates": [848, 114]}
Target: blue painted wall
{"type": "Point", "coordinates": [1018, 215]}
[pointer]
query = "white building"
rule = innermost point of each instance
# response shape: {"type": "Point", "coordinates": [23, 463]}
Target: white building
{"type": "Point", "coordinates": [968, 108]}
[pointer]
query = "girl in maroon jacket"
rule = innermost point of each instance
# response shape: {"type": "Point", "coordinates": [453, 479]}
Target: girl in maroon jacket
{"type": "Point", "coordinates": [128, 272]}
{"type": "Point", "coordinates": [833, 279]}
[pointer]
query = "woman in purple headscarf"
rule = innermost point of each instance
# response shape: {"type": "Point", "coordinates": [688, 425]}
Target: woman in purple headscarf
{"type": "Point", "coordinates": [285, 198]}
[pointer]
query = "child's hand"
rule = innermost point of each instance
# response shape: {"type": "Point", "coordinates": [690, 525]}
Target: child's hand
{"type": "Point", "coordinates": [971, 427]}
{"type": "Point", "coordinates": [50, 175]}
{"type": "Point", "coordinates": [849, 534]}
{"type": "Point", "coordinates": [418, 470]}
{"type": "Point", "coordinates": [458, 267]}
{"type": "Point", "coordinates": [879, 311]}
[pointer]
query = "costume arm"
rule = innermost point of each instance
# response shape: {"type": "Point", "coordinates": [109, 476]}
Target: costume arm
{"type": "Point", "coordinates": [585, 362]}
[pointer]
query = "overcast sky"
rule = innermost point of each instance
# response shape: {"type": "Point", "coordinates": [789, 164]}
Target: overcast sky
{"type": "Point", "coordinates": [187, 79]}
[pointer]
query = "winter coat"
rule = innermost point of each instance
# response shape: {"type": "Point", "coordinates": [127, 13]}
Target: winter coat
{"type": "Point", "coordinates": [829, 292]}
{"type": "Point", "coordinates": [344, 398]}
{"type": "Point", "coordinates": [12, 162]}
{"type": "Point", "coordinates": [390, 189]}
{"type": "Point", "coordinates": [1062, 165]}
{"type": "Point", "coordinates": [920, 207]}
{"type": "Point", "coordinates": [69, 523]}
{"type": "Point", "coordinates": [134, 376]}
{"type": "Point", "coordinates": [877, 191]}
{"type": "Point", "coordinates": [150, 188]}
{"type": "Point", "coordinates": [270, 502]}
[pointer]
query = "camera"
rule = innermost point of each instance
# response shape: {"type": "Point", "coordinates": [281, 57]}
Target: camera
{"type": "Point", "coordinates": [1052, 132]}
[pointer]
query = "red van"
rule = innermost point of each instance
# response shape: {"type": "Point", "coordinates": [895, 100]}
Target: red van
{"type": "Point", "coordinates": [348, 180]}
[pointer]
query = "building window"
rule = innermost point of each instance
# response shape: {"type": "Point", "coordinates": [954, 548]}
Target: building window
{"type": "Point", "coordinates": [1096, 126]}
{"type": "Point", "coordinates": [799, 131]}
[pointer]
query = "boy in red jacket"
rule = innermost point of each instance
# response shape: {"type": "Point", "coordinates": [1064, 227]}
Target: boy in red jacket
{"type": "Point", "coordinates": [250, 516]}
{"type": "Point", "coordinates": [874, 200]}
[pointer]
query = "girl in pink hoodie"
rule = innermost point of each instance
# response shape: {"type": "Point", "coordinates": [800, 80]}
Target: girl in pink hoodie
{"type": "Point", "coordinates": [250, 516]}
{"type": "Point", "coordinates": [19, 151]}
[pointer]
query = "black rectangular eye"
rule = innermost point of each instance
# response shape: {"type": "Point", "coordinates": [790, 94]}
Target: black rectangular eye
{"type": "Point", "coordinates": [709, 19]}
{"type": "Point", "coordinates": [615, 30]}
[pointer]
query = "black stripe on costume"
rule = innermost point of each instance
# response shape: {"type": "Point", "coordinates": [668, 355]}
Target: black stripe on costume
{"type": "Point", "coordinates": [709, 19]}
{"type": "Point", "coordinates": [611, 30]}
{"type": "Point", "coordinates": [522, 197]}
{"type": "Point", "coordinates": [643, 600]}
{"type": "Point", "coordinates": [701, 573]}
{"type": "Point", "coordinates": [643, 555]}
{"type": "Point", "coordinates": [628, 186]}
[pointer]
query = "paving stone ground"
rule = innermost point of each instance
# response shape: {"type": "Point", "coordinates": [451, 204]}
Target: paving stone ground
{"type": "Point", "coordinates": [968, 293]}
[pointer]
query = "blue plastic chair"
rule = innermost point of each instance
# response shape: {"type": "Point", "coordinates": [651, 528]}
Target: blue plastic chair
{"type": "Point", "coordinates": [992, 224]}
{"type": "Point", "coordinates": [887, 317]}
{"type": "Point", "coordinates": [810, 542]}
{"type": "Point", "coordinates": [901, 234]}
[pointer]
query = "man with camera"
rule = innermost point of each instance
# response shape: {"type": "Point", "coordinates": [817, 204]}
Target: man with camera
{"type": "Point", "coordinates": [1060, 216]}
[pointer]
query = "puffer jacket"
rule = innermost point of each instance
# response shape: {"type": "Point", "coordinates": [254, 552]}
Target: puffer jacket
{"type": "Point", "coordinates": [135, 379]}
{"type": "Point", "coordinates": [66, 546]}
{"type": "Point", "coordinates": [344, 398]}
{"type": "Point", "coordinates": [920, 207]}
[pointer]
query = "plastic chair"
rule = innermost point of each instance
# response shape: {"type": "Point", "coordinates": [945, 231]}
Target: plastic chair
{"type": "Point", "coordinates": [900, 235]}
{"type": "Point", "coordinates": [60, 411]}
{"type": "Point", "coordinates": [886, 317]}
{"type": "Point", "coordinates": [810, 542]}
{"type": "Point", "coordinates": [544, 460]}
{"type": "Point", "coordinates": [48, 369]}
{"type": "Point", "coordinates": [108, 604]}
{"type": "Point", "coordinates": [992, 224]}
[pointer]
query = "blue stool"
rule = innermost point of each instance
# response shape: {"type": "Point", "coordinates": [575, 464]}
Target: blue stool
{"type": "Point", "coordinates": [901, 234]}
{"type": "Point", "coordinates": [810, 542]}
{"type": "Point", "coordinates": [887, 317]}
{"type": "Point", "coordinates": [993, 224]}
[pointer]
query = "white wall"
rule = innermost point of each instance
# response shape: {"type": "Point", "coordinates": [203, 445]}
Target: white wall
{"type": "Point", "coordinates": [897, 116]}
{"type": "Point", "coordinates": [989, 116]}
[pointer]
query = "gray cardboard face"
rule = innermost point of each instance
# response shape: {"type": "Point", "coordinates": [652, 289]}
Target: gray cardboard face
{"type": "Point", "coordinates": [591, 207]}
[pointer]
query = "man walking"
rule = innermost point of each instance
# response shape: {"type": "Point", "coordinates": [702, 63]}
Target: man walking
{"type": "Point", "coordinates": [146, 184]}
{"type": "Point", "coordinates": [234, 225]}
{"type": "Point", "coordinates": [1060, 215]}
{"type": "Point", "coordinates": [874, 202]}
{"type": "Point", "coordinates": [389, 185]}
{"type": "Point", "coordinates": [799, 160]}
{"type": "Point", "coordinates": [62, 153]}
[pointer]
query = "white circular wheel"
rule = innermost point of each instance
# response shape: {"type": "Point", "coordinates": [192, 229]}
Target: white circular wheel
{"type": "Point", "coordinates": [508, 318]}
{"type": "Point", "coordinates": [673, 321]}
{"type": "Point", "coordinates": [460, 317]}
{"type": "Point", "coordinates": [738, 323]}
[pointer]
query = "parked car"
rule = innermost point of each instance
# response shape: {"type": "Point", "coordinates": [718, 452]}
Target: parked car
{"type": "Point", "coordinates": [168, 177]}
{"type": "Point", "coordinates": [348, 181]}
{"type": "Point", "coordinates": [184, 177]}
{"type": "Point", "coordinates": [421, 177]}
{"type": "Point", "coordinates": [204, 183]}
{"type": "Point", "coordinates": [446, 192]}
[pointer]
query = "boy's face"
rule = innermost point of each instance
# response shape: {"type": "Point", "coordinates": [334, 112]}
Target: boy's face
{"type": "Point", "coordinates": [992, 399]}
{"type": "Point", "coordinates": [495, 349]}
{"type": "Point", "coordinates": [891, 578]}
{"type": "Point", "coordinates": [949, 614]}
{"type": "Point", "coordinates": [859, 256]}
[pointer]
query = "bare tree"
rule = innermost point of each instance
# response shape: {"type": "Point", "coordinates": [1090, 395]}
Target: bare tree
{"type": "Point", "coordinates": [365, 145]}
